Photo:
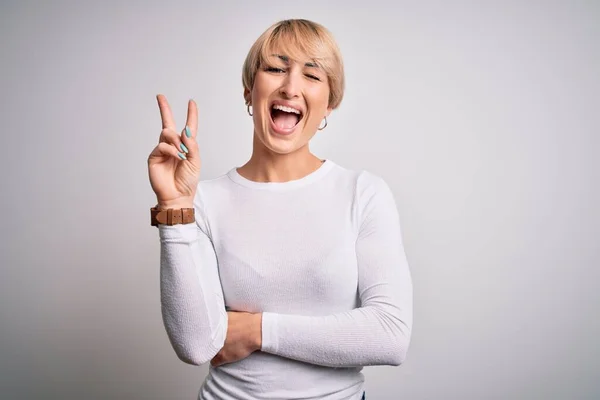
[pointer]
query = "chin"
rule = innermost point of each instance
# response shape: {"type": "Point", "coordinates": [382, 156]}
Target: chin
{"type": "Point", "coordinates": [281, 146]}
{"type": "Point", "coordinates": [278, 144]}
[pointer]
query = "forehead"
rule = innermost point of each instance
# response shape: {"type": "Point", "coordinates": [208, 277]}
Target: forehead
{"type": "Point", "coordinates": [293, 49]}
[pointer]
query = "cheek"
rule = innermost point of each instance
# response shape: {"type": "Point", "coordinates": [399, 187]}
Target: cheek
{"type": "Point", "coordinates": [264, 85]}
{"type": "Point", "coordinates": [257, 92]}
{"type": "Point", "coordinates": [318, 110]}
{"type": "Point", "coordinates": [319, 103]}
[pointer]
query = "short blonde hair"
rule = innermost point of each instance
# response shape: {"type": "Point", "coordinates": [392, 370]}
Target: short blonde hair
{"type": "Point", "coordinates": [298, 38]}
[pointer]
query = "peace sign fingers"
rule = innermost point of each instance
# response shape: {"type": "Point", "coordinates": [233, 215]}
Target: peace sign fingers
{"type": "Point", "coordinates": [168, 122]}
{"type": "Point", "coordinates": [192, 118]}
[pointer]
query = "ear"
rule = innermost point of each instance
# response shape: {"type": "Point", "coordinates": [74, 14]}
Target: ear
{"type": "Point", "coordinates": [247, 96]}
{"type": "Point", "coordinates": [329, 110]}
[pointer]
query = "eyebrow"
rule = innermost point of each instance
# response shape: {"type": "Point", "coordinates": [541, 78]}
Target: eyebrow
{"type": "Point", "coordinates": [286, 60]}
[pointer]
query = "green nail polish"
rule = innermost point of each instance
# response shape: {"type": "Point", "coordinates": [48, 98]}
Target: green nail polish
{"type": "Point", "coordinates": [182, 156]}
{"type": "Point", "coordinates": [185, 149]}
{"type": "Point", "coordinates": [187, 131]}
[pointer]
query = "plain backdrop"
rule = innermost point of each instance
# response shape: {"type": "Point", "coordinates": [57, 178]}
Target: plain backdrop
{"type": "Point", "coordinates": [483, 117]}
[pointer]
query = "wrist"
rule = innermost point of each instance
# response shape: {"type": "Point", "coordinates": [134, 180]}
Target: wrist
{"type": "Point", "coordinates": [175, 204]}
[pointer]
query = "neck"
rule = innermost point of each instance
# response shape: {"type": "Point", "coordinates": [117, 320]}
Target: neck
{"type": "Point", "coordinates": [266, 166]}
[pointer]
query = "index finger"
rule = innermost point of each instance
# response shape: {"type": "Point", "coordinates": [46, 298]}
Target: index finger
{"type": "Point", "coordinates": [192, 117]}
{"type": "Point", "coordinates": [165, 112]}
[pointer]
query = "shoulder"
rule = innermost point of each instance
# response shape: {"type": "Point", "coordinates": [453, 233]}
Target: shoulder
{"type": "Point", "coordinates": [360, 178]}
{"type": "Point", "coordinates": [208, 193]}
{"type": "Point", "coordinates": [208, 189]}
{"type": "Point", "coordinates": [370, 191]}
{"type": "Point", "coordinates": [373, 196]}
{"type": "Point", "coordinates": [365, 182]}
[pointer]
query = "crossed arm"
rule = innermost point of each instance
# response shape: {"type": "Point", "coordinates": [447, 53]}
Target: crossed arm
{"type": "Point", "coordinates": [376, 333]}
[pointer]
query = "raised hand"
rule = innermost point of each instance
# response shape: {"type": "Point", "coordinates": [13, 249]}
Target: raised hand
{"type": "Point", "coordinates": [174, 170]}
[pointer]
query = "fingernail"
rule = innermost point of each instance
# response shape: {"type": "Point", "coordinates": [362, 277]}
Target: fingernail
{"type": "Point", "coordinates": [185, 149]}
{"type": "Point", "coordinates": [187, 131]}
{"type": "Point", "coordinates": [182, 156]}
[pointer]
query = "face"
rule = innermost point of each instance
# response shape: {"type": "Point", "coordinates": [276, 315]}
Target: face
{"type": "Point", "coordinates": [289, 101]}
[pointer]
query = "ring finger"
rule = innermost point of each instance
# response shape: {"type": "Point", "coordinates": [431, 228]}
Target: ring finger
{"type": "Point", "coordinates": [170, 136]}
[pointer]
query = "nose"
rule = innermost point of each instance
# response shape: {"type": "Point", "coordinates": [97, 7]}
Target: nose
{"type": "Point", "coordinates": [290, 87]}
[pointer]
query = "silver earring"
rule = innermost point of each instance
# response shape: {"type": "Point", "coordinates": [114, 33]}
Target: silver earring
{"type": "Point", "coordinates": [325, 118]}
{"type": "Point", "coordinates": [248, 109]}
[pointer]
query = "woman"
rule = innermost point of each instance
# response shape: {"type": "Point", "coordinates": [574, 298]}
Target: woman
{"type": "Point", "coordinates": [292, 275]}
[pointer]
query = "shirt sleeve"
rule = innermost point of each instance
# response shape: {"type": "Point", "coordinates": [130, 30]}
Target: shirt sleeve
{"type": "Point", "coordinates": [192, 302]}
{"type": "Point", "coordinates": [379, 331]}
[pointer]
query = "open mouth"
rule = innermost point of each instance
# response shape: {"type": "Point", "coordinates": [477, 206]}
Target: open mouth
{"type": "Point", "coordinates": [285, 118]}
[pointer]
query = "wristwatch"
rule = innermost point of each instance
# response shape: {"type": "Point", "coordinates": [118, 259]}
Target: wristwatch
{"type": "Point", "coordinates": [171, 216]}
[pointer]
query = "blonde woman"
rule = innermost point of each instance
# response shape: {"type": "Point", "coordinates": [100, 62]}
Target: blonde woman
{"type": "Point", "coordinates": [288, 273]}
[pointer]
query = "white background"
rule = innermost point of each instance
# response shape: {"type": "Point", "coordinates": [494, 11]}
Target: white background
{"type": "Point", "coordinates": [482, 116]}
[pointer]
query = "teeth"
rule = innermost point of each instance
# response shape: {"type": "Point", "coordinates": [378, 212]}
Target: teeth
{"type": "Point", "coordinates": [286, 109]}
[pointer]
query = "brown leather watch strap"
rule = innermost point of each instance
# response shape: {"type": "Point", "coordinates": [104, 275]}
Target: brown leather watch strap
{"type": "Point", "coordinates": [171, 216]}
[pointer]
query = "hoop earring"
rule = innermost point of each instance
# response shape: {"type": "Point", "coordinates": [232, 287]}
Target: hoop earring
{"type": "Point", "coordinates": [325, 124]}
{"type": "Point", "coordinates": [248, 109]}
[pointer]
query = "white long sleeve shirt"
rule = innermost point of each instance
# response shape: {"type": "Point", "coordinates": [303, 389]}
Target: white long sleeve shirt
{"type": "Point", "coordinates": [321, 257]}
